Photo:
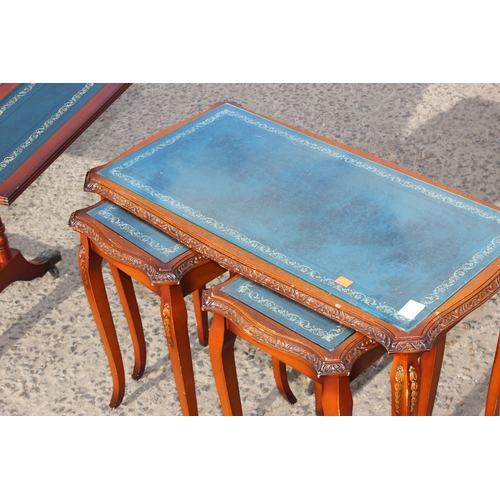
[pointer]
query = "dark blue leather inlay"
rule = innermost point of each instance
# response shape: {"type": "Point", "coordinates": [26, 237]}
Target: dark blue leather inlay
{"type": "Point", "coordinates": [143, 235]}
{"type": "Point", "coordinates": [318, 212]}
{"type": "Point", "coordinates": [31, 113]}
{"type": "Point", "coordinates": [303, 321]}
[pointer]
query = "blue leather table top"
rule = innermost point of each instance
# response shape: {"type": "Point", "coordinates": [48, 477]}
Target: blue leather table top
{"type": "Point", "coordinates": [31, 113]}
{"type": "Point", "coordinates": [309, 324]}
{"type": "Point", "coordinates": [140, 233]}
{"type": "Point", "coordinates": [318, 212]}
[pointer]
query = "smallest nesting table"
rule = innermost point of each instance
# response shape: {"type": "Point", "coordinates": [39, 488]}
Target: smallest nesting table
{"type": "Point", "coordinates": [325, 351]}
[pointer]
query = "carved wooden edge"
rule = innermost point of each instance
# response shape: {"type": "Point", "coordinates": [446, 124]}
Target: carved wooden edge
{"type": "Point", "coordinates": [273, 340]}
{"type": "Point", "coordinates": [449, 320]}
{"type": "Point", "coordinates": [110, 249]}
{"type": "Point", "coordinates": [378, 333]}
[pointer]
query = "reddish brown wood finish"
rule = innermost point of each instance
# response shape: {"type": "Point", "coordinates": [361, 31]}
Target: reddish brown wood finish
{"type": "Point", "coordinates": [18, 268]}
{"type": "Point", "coordinates": [279, 372]}
{"type": "Point", "coordinates": [125, 289]}
{"type": "Point", "coordinates": [280, 376]}
{"type": "Point", "coordinates": [5, 88]}
{"type": "Point", "coordinates": [184, 275]}
{"type": "Point", "coordinates": [406, 347]}
{"type": "Point", "coordinates": [329, 370]}
{"type": "Point", "coordinates": [13, 265]}
{"type": "Point", "coordinates": [5, 251]}
{"type": "Point", "coordinates": [493, 397]}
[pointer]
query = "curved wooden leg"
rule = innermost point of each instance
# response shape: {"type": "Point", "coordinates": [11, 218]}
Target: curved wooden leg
{"type": "Point", "coordinates": [430, 369]}
{"type": "Point", "coordinates": [201, 317]}
{"type": "Point", "coordinates": [336, 399]}
{"type": "Point", "coordinates": [318, 394]}
{"type": "Point", "coordinates": [221, 348]}
{"type": "Point", "coordinates": [125, 289]}
{"type": "Point", "coordinates": [91, 271]}
{"type": "Point", "coordinates": [279, 371]}
{"type": "Point", "coordinates": [175, 321]}
{"type": "Point", "coordinates": [493, 397]}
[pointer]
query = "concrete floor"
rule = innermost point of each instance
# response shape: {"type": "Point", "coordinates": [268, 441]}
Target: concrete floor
{"type": "Point", "coordinates": [51, 358]}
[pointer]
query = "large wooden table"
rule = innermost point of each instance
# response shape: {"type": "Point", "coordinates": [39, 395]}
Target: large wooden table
{"type": "Point", "coordinates": [38, 122]}
{"type": "Point", "coordinates": [372, 245]}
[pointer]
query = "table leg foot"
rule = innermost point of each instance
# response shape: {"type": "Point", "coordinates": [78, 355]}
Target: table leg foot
{"type": "Point", "coordinates": [17, 268]}
{"type": "Point", "coordinates": [14, 267]}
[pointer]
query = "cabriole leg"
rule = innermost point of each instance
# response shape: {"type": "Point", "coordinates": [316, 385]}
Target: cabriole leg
{"type": "Point", "coordinates": [221, 347]}
{"type": "Point", "coordinates": [125, 289]}
{"type": "Point", "coordinates": [430, 368]}
{"type": "Point", "coordinates": [174, 315]}
{"type": "Point", "coordinates": [91, 272]}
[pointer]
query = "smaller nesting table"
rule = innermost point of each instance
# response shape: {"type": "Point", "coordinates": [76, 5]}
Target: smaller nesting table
{"type": "Point", "coordinates": [135, 249]}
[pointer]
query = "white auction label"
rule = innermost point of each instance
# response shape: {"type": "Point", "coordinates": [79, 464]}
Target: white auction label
{"type": "Point", "coordinates": [411, 309]}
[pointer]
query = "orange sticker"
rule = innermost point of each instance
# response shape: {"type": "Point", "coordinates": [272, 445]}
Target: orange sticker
{"type": "Point", "coordinates": [343, 282]}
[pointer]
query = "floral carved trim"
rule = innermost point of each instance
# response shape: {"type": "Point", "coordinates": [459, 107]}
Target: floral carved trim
{"type": "Point", "coordinates": [359, 349]}
{"type": "Point", "coordinates": [165, 313]}
{"type": "Point", "coordinates": [398, 388]}
{"type": "Point", "coordinates": [448, 321]}
{"type": "Point", "coordinates": [413, 389]}
{"type": "Point", "coordinates": [401, 380]}
{"type": "Point", "coordinates": [265, 337]}
{"type": "Point", "coordinates": [156, 276]}
{"type": "Point", "coordinates": [83, 267]}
